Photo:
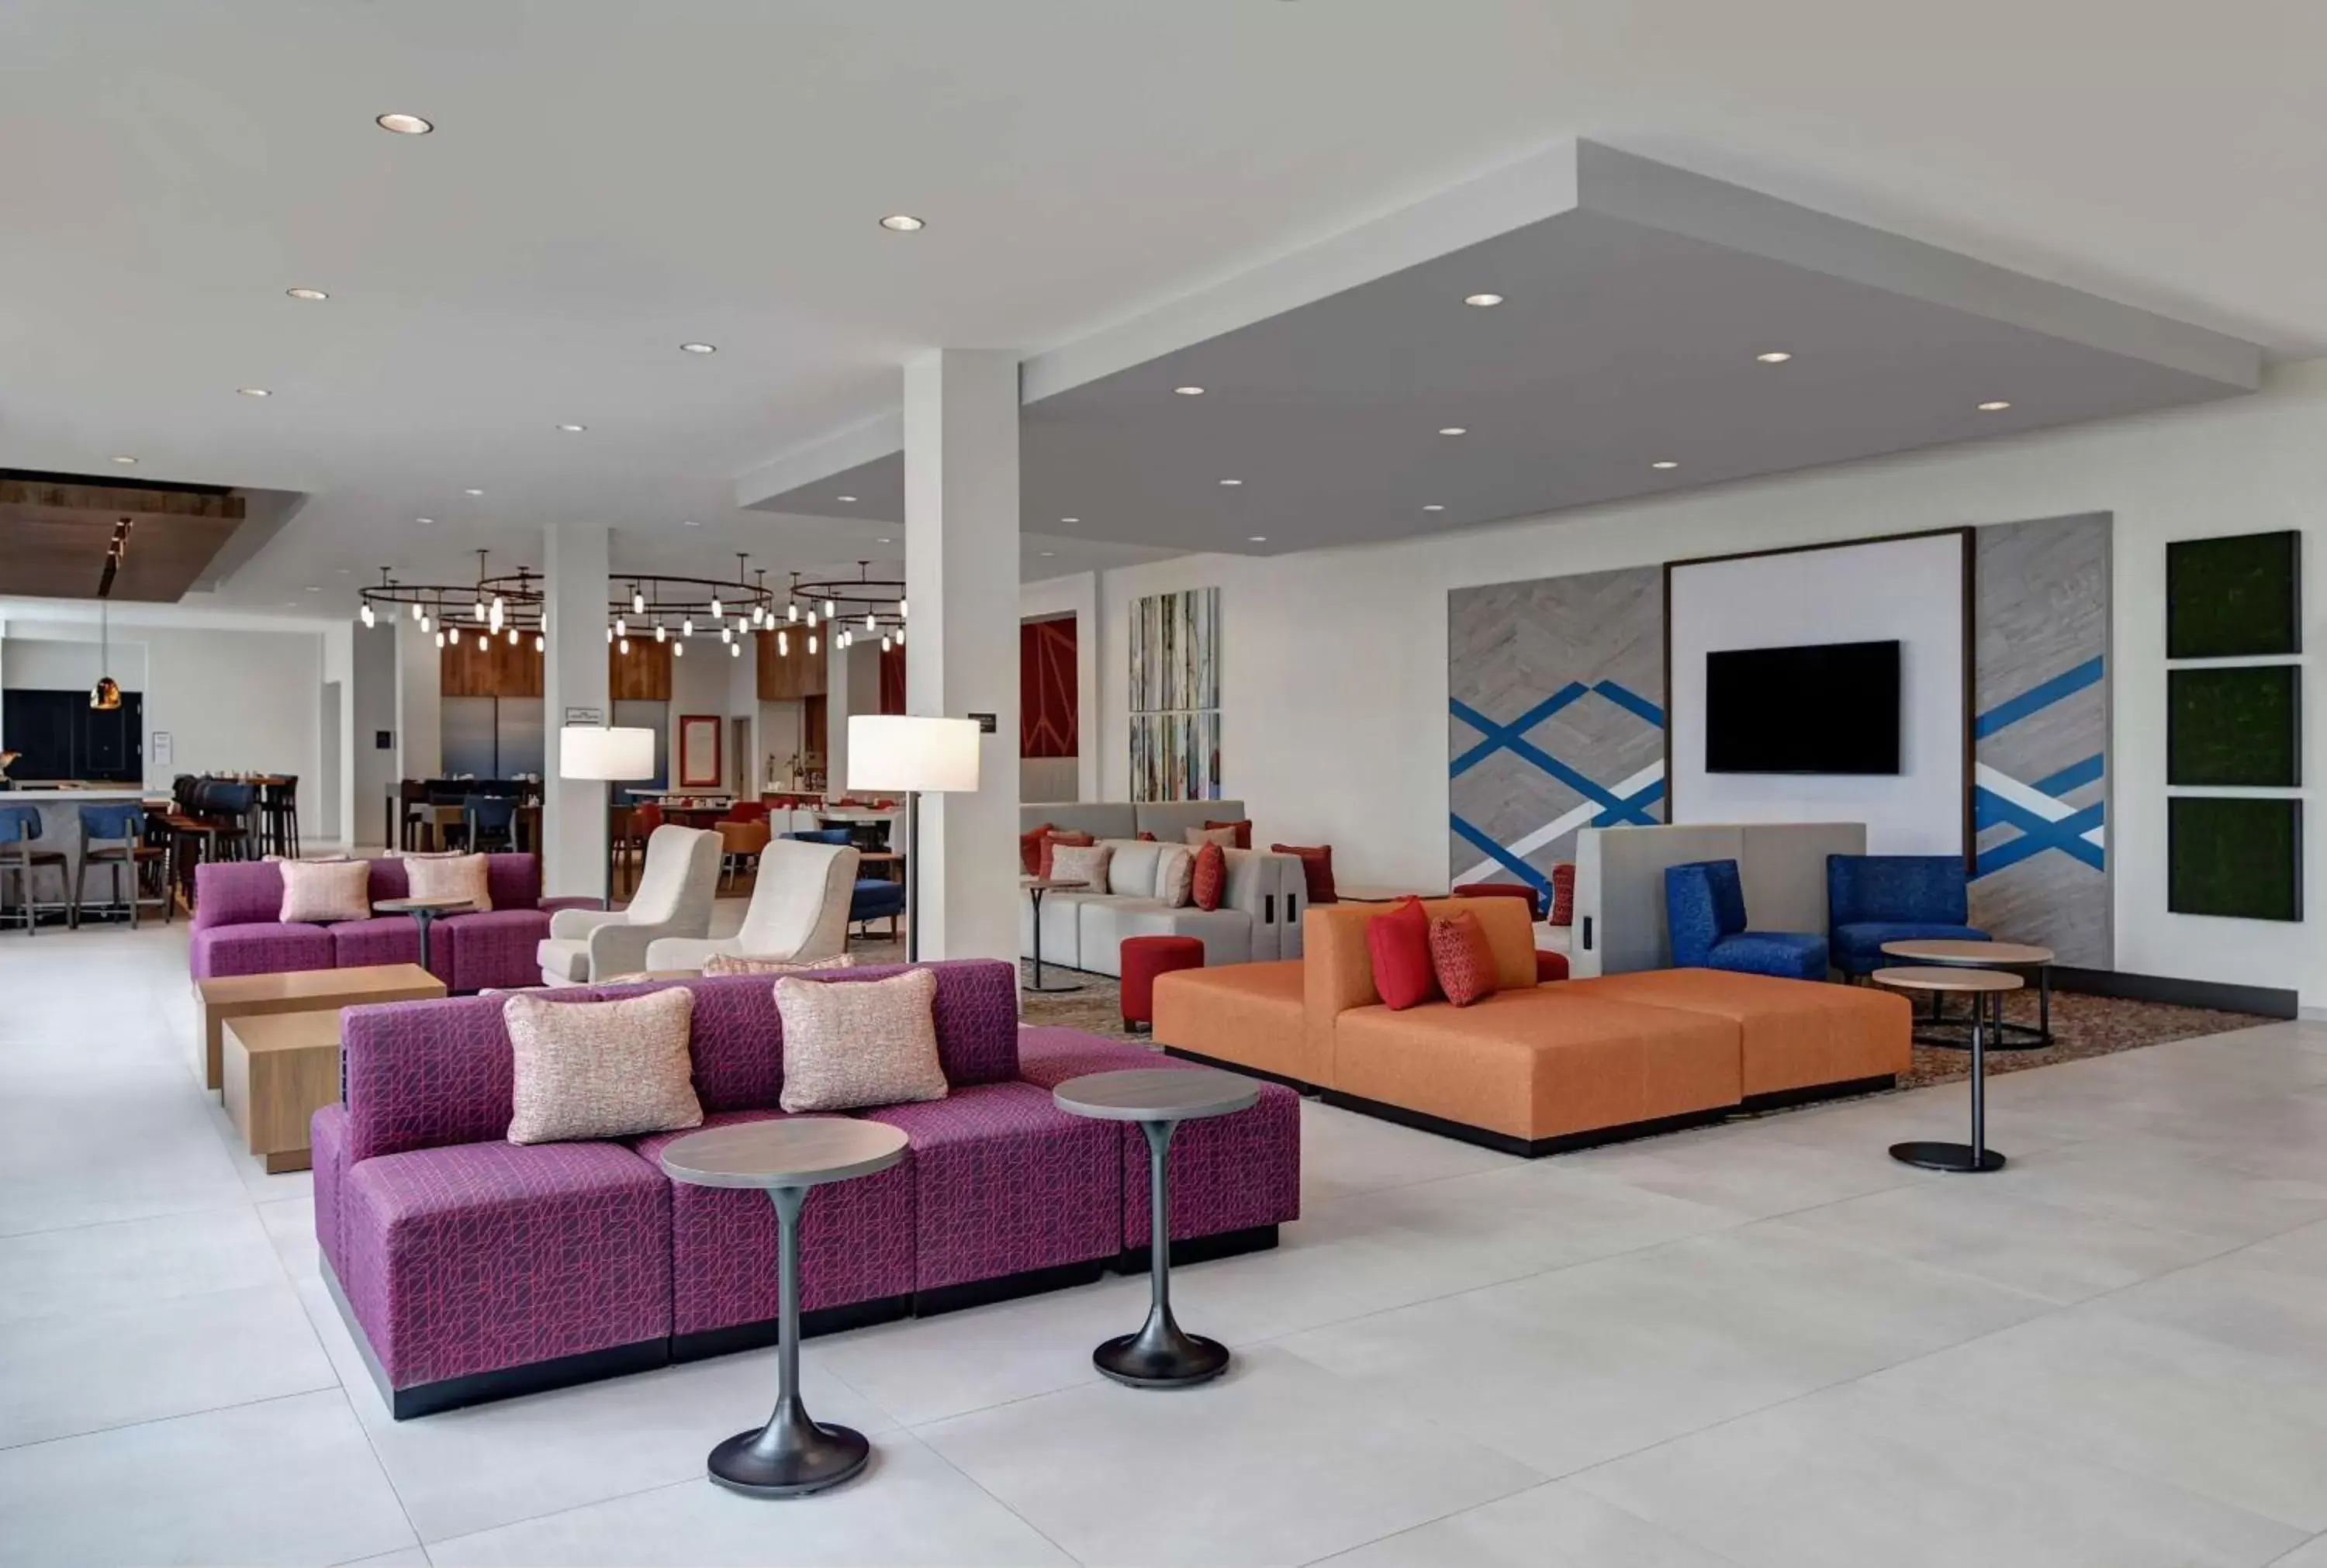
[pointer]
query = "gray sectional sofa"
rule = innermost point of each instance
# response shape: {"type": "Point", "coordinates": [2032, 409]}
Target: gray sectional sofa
{"type": "Point", "coordinates": [1259, 920]}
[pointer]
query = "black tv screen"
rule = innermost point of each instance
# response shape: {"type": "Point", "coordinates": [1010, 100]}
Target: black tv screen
{"type": "Point", "coordinates": [1830, 707]}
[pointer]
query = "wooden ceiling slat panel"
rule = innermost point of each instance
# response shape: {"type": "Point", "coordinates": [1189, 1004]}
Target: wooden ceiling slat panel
{"type": "Point", "coordinates": [53, 537]}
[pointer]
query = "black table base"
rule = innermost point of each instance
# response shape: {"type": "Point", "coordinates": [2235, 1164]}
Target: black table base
{"type": "Point", "coordinates": [1162, 1355]}
{"type": "Point", "coordinates": [789, 1457]}
{"type": "Point", "coordinates": [1961, 1158]}
{"type": "Point", "coordinates": [1944, 1033]}
{"type": "Point", "coordinates": [1036, 983]}
{"type": "Point", "coordinates": [1975, 1157]}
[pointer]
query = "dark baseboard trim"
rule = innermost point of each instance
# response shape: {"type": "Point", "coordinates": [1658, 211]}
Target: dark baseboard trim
{"type": "Point", "coordinates": [2264, 1001]}
{"type": "Point", "coordinates": [1133, 1260]}
{"type": "Point", "coordinates": [704, 1343]}
{"type": "Point", "coordinates": [1810, 1093]}
{"type": "Point", "coordinates": [1008, 1288]}
{"type": "Point", "coordinates": [503, 1382]}
{"type": "Point", "coordinates": [1295, 1084]}
{"type": "Point", "coordinates": [1528, 1148]}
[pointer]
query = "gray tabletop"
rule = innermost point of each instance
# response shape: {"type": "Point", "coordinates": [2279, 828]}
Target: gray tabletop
{"type": "Point", "coordinates": [796, 1152]}
{"type": "Point", "coordinates": [1155, 1095]}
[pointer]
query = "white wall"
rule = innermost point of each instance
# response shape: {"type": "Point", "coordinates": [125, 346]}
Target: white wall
{"type": "Point", "coordinates": [782, 727]}
{"type": "Point", "coordinates": [42, 663]}
{"type": "Point", "coordinates": [1333, 677]}
{"type": "Point", "coordinates": [371, 708]}
{"type": "Point", "coordinates": [698, 686]}
{"type": "Point", "coordinates": [1910, 591]}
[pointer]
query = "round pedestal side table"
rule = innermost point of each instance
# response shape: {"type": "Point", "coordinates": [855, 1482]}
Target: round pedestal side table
{"type": "Point", "coordinates": [793, 1454]}
{"type": "Point", "coordinates": [1161, 1354]}
{"type": "Point", "coordinates": [1949, 953]}
{"type": "Point", "coordinates": [1986, 989]}
{"type": "Point", "coordinates": [424, 912]}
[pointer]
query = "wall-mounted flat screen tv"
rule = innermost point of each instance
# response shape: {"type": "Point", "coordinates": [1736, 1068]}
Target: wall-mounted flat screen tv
{"type": "Point", "coordinates": [1828, 708]}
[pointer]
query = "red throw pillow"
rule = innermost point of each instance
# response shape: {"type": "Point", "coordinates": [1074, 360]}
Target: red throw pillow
{"type": "Point", "coordinates": [1398, 944]}
{"type": "Point", "coordinates": [1460, 959]}
{"type": "Point", "coordinates": [1563, 893]}
{"type": "Point", "coordinates": [1243, 831]}
{"type": "Point", "coordinates": [1146, 837]}
{"type": "Point", "coordinates": [1030, 850]}
{"type": "Point", "coordinates": [1209, 879]}
{"type": "Point", "coordinates": [1316, 868]}
{"type": "Point", "coordinates": [1052, 840]}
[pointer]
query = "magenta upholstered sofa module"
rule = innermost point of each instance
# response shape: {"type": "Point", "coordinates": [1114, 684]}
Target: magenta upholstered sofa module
{"type": "Point", "coordinates": [236, 931]}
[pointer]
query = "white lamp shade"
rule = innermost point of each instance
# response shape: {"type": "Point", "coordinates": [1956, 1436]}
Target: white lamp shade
{"type": "Point", "coordinates": [589, 752]}
{"type": "Point", "coordinates": [907, 752]}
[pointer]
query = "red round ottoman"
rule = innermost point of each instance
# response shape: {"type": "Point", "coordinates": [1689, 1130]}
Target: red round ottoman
{"type": "Point", "coordinates": [1142, 959]}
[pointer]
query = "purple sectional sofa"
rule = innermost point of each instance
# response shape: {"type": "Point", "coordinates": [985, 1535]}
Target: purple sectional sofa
{"type": "Point", "coordinates": [469, 1268]}
{"type": "Point", "coordinates": [236, 931]}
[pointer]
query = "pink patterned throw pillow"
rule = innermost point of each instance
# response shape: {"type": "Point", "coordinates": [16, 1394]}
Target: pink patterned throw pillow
{"type": "Point", "coordinates": [736, 964]}
{"type": "Point", "coordinates": [602, 1069]}
{"type": "Point", "coordinates": [325, 890]}
{"type": "Point", "coordinates": [850, 1043]}
{"type": "Point", "coordinates": [460, 876]}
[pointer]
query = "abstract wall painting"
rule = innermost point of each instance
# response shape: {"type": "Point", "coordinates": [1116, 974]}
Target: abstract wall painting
{"type": "Point", "coordinates": [1175, 696]}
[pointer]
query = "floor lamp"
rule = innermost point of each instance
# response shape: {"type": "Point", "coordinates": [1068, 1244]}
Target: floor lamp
{"type": "Point", "coordinates": [606, 756]}
{"type": "Point", "coordinates": [912, 756]}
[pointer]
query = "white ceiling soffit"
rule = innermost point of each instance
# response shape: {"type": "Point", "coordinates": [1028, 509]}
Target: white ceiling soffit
{"type": "Point", "coordinates": [1637, 300]}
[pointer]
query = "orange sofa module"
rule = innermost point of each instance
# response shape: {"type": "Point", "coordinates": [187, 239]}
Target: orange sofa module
{"type": "Point", "coordinates": [1534, 1068]}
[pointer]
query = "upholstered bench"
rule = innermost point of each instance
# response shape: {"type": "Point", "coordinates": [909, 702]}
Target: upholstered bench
{"type": "Point", "coordinates": [1250, 1017]}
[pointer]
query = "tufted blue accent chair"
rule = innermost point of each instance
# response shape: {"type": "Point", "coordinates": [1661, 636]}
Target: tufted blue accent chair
{"type": "Point", "coordinates": [1874, 899]}
{"type": "Point", "coordinates": [1705, 910]}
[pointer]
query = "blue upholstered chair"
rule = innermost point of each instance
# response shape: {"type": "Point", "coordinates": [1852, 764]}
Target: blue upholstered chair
{"type": "Point", "coordinates": [1705, 909]}
{"type": "Point", "coordinates": [1874, 899]}
{"type": "Point", "coordinates": [875, 898]}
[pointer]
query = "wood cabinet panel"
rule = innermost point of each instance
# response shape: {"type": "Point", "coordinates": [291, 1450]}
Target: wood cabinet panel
{"type": "Point", "coordinates": [790, 676]}
{"type": "Point", "coordinates": [641, 676]}
{"type": "Point", "coordinates": [491, 666]}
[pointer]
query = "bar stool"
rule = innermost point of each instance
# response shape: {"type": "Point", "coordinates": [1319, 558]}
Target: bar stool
{"type": "Point", "coordinates": [489, 819]}
{"type": "Point", "coordinates": [19, 827]}
{"type": "Point", "coordinates": [229, 807]}
{"type": "Point", "coordinates": [114, 837]}
{"type": "Point", "coordinates": [278, 809]}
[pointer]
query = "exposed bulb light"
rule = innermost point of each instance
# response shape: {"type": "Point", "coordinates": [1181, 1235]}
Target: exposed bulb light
{"type": "Point", "coordinates": [783, 645]}
{"type": "Point", "coordinates": [901, 223]}
{"type": "Point", "coordinates": [512, 637]}
{"type": "Point", "coordinates": [254, 392]}
{"type": "Point", "coordinates": [1997, 406]}
{"type": "Point", "coordinates": [306, 293]}
{"type": "Point", "coordinates": [1484, 301]}
{"type": "Point", "coordinates": [677, 649]}
{"type": "Point", "coordinates": [1188, 391]}
{"type": "Point", "coordinates": [440, 639]}
{"type": "Point", "coordinates": [901, 609]}
{"type": "Point", "coordinates": [734, 650]}
{"type": "Point", "coordinates": [716, 611]}
{"type": "Point", "coordinates": [687, 627]}
{"type": "Point", "coordinates": [900, 635]}
{"type": "Point", "coordinates": [699, 348]}
{"type": "Point", "coordinates": [1775, 357]}
{"type": "Point", "coordinates": [621, 627]}
{"type": "Point", "coordinates": [427, 625]}
{"type": "Point", "coordinates": [727, 635]}
{"type": "Point", "coordinates": [829, 610]}
{"type": "Point", "coordinates": [1664, 462]}
{"type": "Point", "coordinates": [884, 645]}
{"type": "Point", "coordinates": [480, 608]}
{"type": "Point", "coordinates": [811, 642]}
{"type": "Point", "coordinates": [419, 613]}
{"type": "Point", "coordinates": [792, 612]}
{"type": "Point", "coordinates": [404, 125]}
{"type": "Point", "coordinates": [742, 625]}
{"type": "Point", "coordinates": [638, 601]}
{"type": "Point", "coordinates": [811, 620]}
{"type": "Point", "coordinates": [365, 615]}
{"type": "Point", "coordinates": [454, 633]}
{"type": "Point", "coordinates": [540, 643]}
{"type": "Point", "coordinates": [870, 624]}
{"type": "Point", "coordinates": [623, 646]}
{"type": "Point", "coordinates": [609, 635]}
{"type": "Point", "coordinates": [1454, 430]}
{"type": "Point", "coordinates": [660, 635]}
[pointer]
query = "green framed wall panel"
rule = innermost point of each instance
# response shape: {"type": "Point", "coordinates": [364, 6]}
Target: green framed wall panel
{"type": "Point", "coordinates": [2239, 856]}
{"type": "Point", "coordinates": [2238, 725]}
{"type": "Point", "coordinates": [2234, 597]}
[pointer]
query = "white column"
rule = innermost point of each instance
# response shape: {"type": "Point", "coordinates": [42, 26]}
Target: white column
{"type": "Point", "coordinates": [419, 700]}
{"type": "Point", "coordinates": [574, 675]}
{"type": "Point", "coordinates": [961, 588]}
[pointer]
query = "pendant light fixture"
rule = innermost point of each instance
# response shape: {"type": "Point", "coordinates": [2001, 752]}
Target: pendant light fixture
{"type": "Point", "coordinates": [105, 697]}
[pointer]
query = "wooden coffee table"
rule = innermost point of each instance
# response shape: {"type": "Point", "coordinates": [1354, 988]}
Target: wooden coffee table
{"type": "Point", "coordinates": [281, 1068]}
{"type": "Point", "coordinates": [235, 996]}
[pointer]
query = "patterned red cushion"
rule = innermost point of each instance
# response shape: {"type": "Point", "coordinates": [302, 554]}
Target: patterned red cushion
{"type": "Point", "coordinates": [1210, 880]}
{"type": "Point", "coordinates": [1563, 893]}
{"type": "Point", "coordinates": [1316, 868]}
{"type": "Point", "coordinates": [1030, 850]}
{"type": "Point", "coordinates": [1460, 959]}
{"type": "Point", "coordinates": [1398, 944]}
{"type": "Point", "coordinates": [1051, 840]}
{"type": "Point", "coordinates": [1243, 831]}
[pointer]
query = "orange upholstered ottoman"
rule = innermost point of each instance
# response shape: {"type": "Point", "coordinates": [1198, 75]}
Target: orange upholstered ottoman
{"type": "Point", "coordinates": [1245, 1015]}
{"type": "Point", "coordinates": [1796, 1034]}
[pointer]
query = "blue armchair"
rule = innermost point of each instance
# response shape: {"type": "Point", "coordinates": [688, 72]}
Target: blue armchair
{"type": "Point", "coordinates": [1705, 910]}
{"type": "Point", "coordinates": [1874, 899]}
{"type": "Point", "coordinates": [873, 898]}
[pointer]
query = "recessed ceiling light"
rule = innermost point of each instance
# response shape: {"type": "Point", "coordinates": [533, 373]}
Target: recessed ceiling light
{"type": "Point", "coordinates": [424, 520]}
{"type": "Point", "coordinates": [1232, 481]}
{"type": "Point", "coordinates": [1666, 463]}
{"type": "Point", "coordinates": [1432, 506]}
{"type": "Point", "coordinates": [473, 492]}
{"type": "Point", "coordinates": [1046, 554]}
{"type": "Point", "coordinates": [1188, 391]}
{"type": "Point", "coordinates": [844, 498]}
{"type": "Point", "coordinates": [1484, 301]}
{"type": "Point", "coordinates": [314, 588]}
{"type": "Point", "coordinates": [1258, 538]}
{"type": "Point", "coordinates": [885, 541]}
{"type": "Point", "coordinates": [699, 348]}
{"type": "Point", "coordinates": [1454, 430]}
{"type": "Point", "coordinates": [691, 523]}
{"type": "Point", "coordinates": [901, 223]}
{"type": "Point", "coordinates": [1995, 408]}
{"type": "Point", "coordinates": [254, 392]}
{"type": "Point", "coordinates": [306, 293]}
{"type": "Point", "coordinates": [1775, 357]}
{"type": "Point", "coordinates": [125, 461]}
{"type": "Point", "coordinates": [404, 125]}
{"type": "Point", "coordinates": [573, 429]}
{"type": "Point", "coordinates": [1070, 519]}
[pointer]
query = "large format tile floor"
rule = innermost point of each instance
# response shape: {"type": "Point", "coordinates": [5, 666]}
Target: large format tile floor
{"type": "Point", "coordinates": [1764, 1344]}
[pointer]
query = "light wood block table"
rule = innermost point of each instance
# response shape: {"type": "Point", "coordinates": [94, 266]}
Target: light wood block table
{"type": "Point", "coordinates": [301, 991]}
{"type": "Point", "coordinates": [281, 1068]}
